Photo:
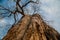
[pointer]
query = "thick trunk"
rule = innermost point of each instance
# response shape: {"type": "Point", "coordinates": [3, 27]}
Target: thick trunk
{"type": "Point", "coordinates": [32, 28]}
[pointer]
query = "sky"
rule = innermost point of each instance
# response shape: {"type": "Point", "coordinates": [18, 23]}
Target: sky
{"type": "Point", "coordinates": [52, 10]}
{"type": "Point", "coordinates": [48, 9]}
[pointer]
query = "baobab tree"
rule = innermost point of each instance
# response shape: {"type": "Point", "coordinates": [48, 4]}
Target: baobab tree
{"type": "Point", "coordinates": [29, 27]}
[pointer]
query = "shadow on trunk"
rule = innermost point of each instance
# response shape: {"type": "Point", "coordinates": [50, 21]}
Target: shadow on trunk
{"type": "Point", "coordinates": [32, 27]}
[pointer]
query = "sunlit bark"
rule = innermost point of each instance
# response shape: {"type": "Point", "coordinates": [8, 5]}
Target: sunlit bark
{"type": "Point", "coordinates": [32, 27]}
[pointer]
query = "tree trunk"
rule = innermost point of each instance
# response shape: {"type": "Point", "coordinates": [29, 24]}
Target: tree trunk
{"type": "Point", "coordinates": [32, 27]}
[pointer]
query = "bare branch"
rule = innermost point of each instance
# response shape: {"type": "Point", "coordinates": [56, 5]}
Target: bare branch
{"type": "Point", "coordinates": [17, 4]}
{"type": "Point", "coordinates": [28, 3]}
{"type": "Point", "coordinates": [15, 18]}
{"type": "Point", "coordinates": [17, 8]}
{"type": "Point", "coordinates": [6, 9]}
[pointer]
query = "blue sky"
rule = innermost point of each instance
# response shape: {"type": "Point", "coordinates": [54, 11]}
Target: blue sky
{"type": "Point", "coordinates": [48, 9]}
{"type": "Point", "coordinates": [52, 10]}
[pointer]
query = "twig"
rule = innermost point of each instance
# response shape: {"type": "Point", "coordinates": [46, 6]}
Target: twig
{"type": "Point", "coordinates": [28, 3]}
{"type": "Point", "coordinates": [6, 9]}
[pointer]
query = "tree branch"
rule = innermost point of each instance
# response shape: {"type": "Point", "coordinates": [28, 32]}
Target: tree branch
{"type": "Point", "coordinates": [19, 11]}
{"type": "Point", "coordinates": [28, 3]}
{"type": "Point", "coordinates": [5, 9]}
{"type": "Point", "coordinates": [17, 4]}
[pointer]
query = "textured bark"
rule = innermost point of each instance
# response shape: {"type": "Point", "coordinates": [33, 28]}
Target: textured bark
{"type": "Point", "coordinates": [32, 27]}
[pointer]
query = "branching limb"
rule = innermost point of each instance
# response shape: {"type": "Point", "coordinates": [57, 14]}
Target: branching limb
{"type": "Point", "coordinates": [11, 12]}
{"type": "Point", "coordinates": [28, 3]}
{"type": "Point", "coordinates": [18, 5]}
{"type": "Point", "coordinates": [5, 9]}
{"type": "Point", "coordinates": [15, 18]}
{"type": "Point", "coordinates": [17, 9]}
{"type": "Point", "coordinates": [21, 7]}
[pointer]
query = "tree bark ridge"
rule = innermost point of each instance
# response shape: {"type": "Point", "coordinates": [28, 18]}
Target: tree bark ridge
{"type": "Point", "coordinates": [32, 27]}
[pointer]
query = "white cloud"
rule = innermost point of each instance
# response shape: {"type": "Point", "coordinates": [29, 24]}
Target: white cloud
{"type": "Point", "coordinates": [2, 22]}
{"type": "Point", "coordinates": [44, 1]}
{"type": "Point", "coordinates": [52, 10]}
